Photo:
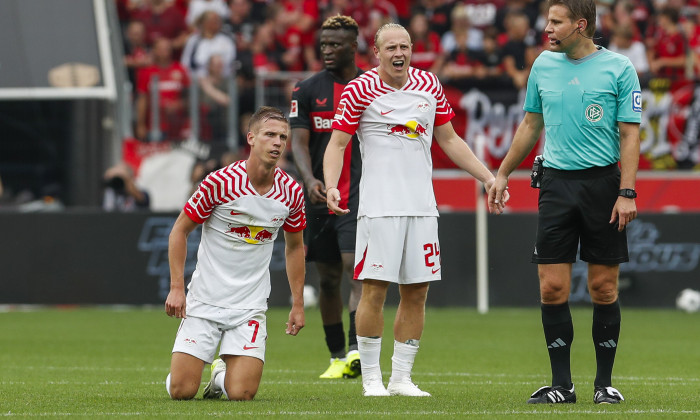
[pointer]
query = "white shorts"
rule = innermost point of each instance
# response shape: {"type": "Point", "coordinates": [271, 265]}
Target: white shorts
{"type": "Point", "coordinates": [398, 249]}
{"type": "Point", "coordinates": [241, 332]}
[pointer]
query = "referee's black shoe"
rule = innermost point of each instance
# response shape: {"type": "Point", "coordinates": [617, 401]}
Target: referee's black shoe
{"type": "Point", "coordinates": [607, 395]}
{"type": "Point", "coordinates": [553, 395]}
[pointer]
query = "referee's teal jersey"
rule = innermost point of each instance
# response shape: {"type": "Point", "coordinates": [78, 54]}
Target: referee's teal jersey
{"type": "Point", "coordinates": [582, 101]}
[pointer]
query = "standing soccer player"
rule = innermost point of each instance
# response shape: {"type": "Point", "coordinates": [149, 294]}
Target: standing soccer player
{"type": "Point", "coordinates": [395, 111]}
{"type": "Point", "coordinates": [589, 101]}
{"type": "Point", "coordinates": [241, 208]}
{"type": "Point", "coordinates": [330, 239]}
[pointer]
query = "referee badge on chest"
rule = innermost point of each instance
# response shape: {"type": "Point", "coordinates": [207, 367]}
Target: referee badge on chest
{"type": "Point", "coordinates": [594, 113]}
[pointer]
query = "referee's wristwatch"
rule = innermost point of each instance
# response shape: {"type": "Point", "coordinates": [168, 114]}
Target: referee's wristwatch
{"type": "Point", "coordinates": [627, 193]}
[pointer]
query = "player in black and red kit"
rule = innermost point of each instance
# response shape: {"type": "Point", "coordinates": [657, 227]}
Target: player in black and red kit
{"type": "Point", "coordinates": [330, 239]}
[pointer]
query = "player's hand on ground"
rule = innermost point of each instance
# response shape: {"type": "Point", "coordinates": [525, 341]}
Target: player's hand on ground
{"type": "Point", "coordinates": [175, 303]}
{"type": "Point", "coordinates": [623, 213]}
{"type": "Point", "coordinates": [498, 194]}
{"type": "Point", "coordinates": [333, 202]}
{"type": "Point", "coordinates": [317, 191]}
{"type": "Point", "coordinates": [296, 320]}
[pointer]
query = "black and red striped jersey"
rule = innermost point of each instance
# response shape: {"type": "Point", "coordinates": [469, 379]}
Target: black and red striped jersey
{"type": "Point", "coordinates": [314, 102]}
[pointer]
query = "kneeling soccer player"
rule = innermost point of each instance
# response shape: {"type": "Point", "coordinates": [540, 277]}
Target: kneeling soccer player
{"type": "Point", "coordinates": [241, 208]}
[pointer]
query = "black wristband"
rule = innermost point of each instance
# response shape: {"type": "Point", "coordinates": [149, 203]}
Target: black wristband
{"type": "Point", "coordinates": [627, 193]}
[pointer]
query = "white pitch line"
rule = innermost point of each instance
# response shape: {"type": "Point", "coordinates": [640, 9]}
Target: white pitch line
{"type": "Point", "coordinates": [298, 371]}
{"type": "Point", "coordinates": [325, 382]}
{"type": "Point", "coordinates": [373, 413]}
{"type": "Point", "coordinates": [522, 377]}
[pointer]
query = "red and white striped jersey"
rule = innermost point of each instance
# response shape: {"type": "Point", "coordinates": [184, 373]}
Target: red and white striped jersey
{"type": "Point", "coordinates": [395, 130]}
{"type": "Point", "coordinates": [238, 231]}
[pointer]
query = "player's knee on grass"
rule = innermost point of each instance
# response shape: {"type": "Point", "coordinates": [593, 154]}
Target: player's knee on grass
{"type": "Point", "coordinates": [183, 391]}
{"type": "Point", "coordinates": [238, 393]}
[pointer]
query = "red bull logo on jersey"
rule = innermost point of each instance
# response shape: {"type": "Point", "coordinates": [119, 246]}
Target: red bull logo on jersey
{"type": "Point", "coordinates": [251, 234]}
{"type": "Point", "coordinates": [412, 129]}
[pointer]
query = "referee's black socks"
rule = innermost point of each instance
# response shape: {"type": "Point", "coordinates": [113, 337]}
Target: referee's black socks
{"type": "Point", "coordinates": [559, 333]}
{"type": "Point", "coordinates": [606, 332]}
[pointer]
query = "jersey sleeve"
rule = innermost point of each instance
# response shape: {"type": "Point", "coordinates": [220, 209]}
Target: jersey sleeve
{"type": "Point", "coordinates": [533, 102]}
{"type": "Point", "coordinates": [203, 201]}
{"type": "Point", "coordinates": [350, 108]}
{"type": "Point", "coordinates": [296, 220]}
{"type": "Point", "coordinates": [299, 109]}
{"type": "Point", "coordinates": [443, 111]}
{"type": "Point", "coordinates": [629, 95]}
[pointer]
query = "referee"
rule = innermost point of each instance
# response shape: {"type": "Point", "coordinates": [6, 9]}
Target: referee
{"type": "Point", "coordinates": [588, 100]}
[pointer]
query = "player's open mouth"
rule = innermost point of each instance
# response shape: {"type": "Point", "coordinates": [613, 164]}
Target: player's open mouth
{"type": "Point", "coordinates": [275, 153]}
{"type": "Point", "coordinates": [398, 64]}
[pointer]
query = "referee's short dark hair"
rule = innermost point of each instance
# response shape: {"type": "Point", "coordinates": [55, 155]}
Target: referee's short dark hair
{"type": "Point", "coordinates": [341, 22]}
{"type": "Point", "coordinates": [579, 9]}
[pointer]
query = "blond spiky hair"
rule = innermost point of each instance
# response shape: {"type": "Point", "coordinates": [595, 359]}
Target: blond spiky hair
{"type": "Point", "coordinates": [341, 22]}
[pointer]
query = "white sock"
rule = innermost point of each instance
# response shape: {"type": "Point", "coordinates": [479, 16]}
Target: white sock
{"type": "Point", "coordinates": [219, 382]}
{"type": "Point", "coordinates": [369, 349]}
{"type": "Point", "coordinates": [167, 384]}
{"type": "Point", "coordinates": [402, 360]}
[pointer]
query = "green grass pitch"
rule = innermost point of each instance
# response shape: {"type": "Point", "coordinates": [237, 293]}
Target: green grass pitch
{"type": "Point", "coordinates": [106, 363]}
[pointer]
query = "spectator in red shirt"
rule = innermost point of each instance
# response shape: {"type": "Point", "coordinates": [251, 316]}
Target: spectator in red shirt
{"type": "Point", "coordinates": [691, 29]}
{"type": "Point", "coordinates": [289, 37]}
{"type": "Point", "coordinates": [137, 55]}
{"type": "Point", "coordinates": [172, 88]}
{"type": "Point", "coordinates": [303, 16]}
{"type": "Point", "coordinates": [668, 46]}
{"type": "Point", "coordinates": [267, 53]}
{"type": "Point", "coordinates": [162, 19]}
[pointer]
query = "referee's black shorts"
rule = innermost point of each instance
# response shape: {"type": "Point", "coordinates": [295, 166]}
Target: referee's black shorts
{"type": "Point", "coordinates": [576, 206]}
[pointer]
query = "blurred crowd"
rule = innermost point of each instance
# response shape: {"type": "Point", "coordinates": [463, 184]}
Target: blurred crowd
{"type": "Point", "coordinates": [485, 43]}
{"type": "Point", "coordinates": [489, 44]}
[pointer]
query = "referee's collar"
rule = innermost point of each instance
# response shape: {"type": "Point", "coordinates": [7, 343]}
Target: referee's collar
{"type": "Point", "coordinates": [599, 50]}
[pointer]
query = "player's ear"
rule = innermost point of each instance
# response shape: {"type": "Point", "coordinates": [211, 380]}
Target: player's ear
{"type": "Point", "coordinates": [251, 138]}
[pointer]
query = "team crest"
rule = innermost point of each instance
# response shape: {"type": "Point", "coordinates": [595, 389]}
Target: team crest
{"type": "Point", "coordinates": [424, 107]}
{"type": "Point", "coordinates": [594, 113]}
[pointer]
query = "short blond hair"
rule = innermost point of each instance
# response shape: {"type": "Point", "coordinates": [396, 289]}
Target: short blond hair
{"type": "Point", "coordinates": [386, 26]}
